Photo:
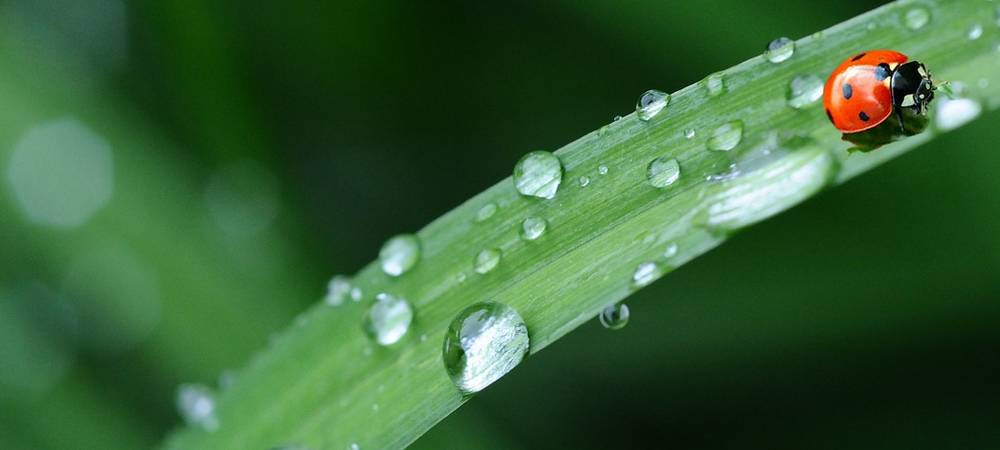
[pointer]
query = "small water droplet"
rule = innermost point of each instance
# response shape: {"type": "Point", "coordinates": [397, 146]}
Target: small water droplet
{"type": "Point", "coordinates": [916, 18]}
{"type": "Point", "coordinates": [400, 254]}
{"type": "Point", "coordinates": [804, 90]}
{"type": "Point", "coordinates": [614, 317]}
{"type": "Point", "coordinates": [953, 113]}
{"type": "Point", "coordinates": [538, 174]}
{"type": "Point", "coordinates": [487, 211]}
{"type": "Point", "coordinates": [196, 404]}
{"type": "Point", "coordinates": [616, 118]}
{"type": "Point", "coordinates": [650, 103]}
{"type": "Point", "coordinates": [975, 32]}
{"type": "Point", "coordinates": [584, 181]}
{"type": "Point", "coordinates": [726, 137]}
{"type": "Point", "coordinates": [663, 172]}
{"type": "Point", "coordinates": [337, 290]}
{"type": "Point", "coordinates": [487, 260]}
{"type": "Point", "coordinates": [671, 251]}
{"type": "Point", "coordinates": [779, 50]}
{"type": "Point", "coordinates": [389, 319]}
{"type": "Point", "coordinates": [689, 133]}
{"type": "Point", "coordinates": [533, 228]}
{"type": "Point", "coordinates": [357, 294]}
{"type": "Point", "coordinates": [645, 274]}
{"type": "Point", "coordinates": [483, 343]}
{"type": "Point", "coordinates": [354, 446]}
{"type": "Point", "coordinates": [603, 170]}
{"type": "Point", "coordinates": [423, 338]}
{"type": "Point", "coordinates": [461, 277]}
{"type": "Point", "coordinates": [715, 84]}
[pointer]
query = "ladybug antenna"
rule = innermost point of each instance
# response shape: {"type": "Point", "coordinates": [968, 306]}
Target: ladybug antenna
{"type": "Point", "coordinates": [947, 88]}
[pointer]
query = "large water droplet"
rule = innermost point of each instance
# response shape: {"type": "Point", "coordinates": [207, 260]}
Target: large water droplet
{"type": "Point", "coordinates": [483, 343]}
{"type": "Point", "coordinates": [651, 103]}
{"type": "Point", "coordinates": [804, 90]}
{"type": "Point", "coordinates": [975, 32]}
{"type": "Point", "coordinates": [487, 211]}
{"type": "Point", "coordinates": [645, 274]}
{"type": "Point", "coordinates": [389, 319]}
{"type": "Point", "coordinates": [726, 137]}
{"type": "Point", "coordinates": [663, 172]}
{"type": "Point", "coordinates": [196, 404]}
{"type": "Point", "coordinates": [916, 18]}
{"type": "Point", "coordinates": [400, 254]}
{"type": "Point", "coordinates": [487, 260]}
{"type": "Point", "coordinates": [538, 174]}
{"type": "Point", "coordinates": [953, 113]}
{"type": "Point", "coordinates": [715, 84]}
{"type": "Point", "coordinates": [779, 50]}
{"type": "Point", "coordinates": [338, 290]}
{"type": "Point", "coordinates": [533, 228]}
{"type": "Point", "coordinates": [614, 317]}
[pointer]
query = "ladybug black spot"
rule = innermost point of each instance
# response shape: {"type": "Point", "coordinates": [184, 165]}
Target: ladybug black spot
{"type": "Point", "coordinates": [859, 56]}
{"type": "Point", "coordinates": [829, 115]}
{"type": "Point", "coordinates": [882, 71]}
{"type": "Point", "coordinates": [864, 117]}
{"type": "Point", "coordinates": [848, 91]}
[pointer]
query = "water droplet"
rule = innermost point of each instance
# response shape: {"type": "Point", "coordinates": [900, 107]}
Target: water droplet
{"type": "Point", "coordinates": [354, 446]}
{"type": "Point", "coordinates": [487, 211]}
{"type": "Point", "coordinates": [584, 181]}
{"type": "Point", "coordinates": [400, 254]}
{"type": "Point", "coordinates": [337, 290]}
{"type": "Point", "coordinates": [483, 343]}
{"type": "Point", "coordinates": [538, 174]}
{"type": "Point", "coordinates": [461, 277]}
{"type": "Point", "coordinates": [487, 260]}
{"type": "Point", "coordinates": [646, 273]}
{"type": "Point", "coordinates": [423, 338]}
{"type": "Point", "coordinates": [616, 118]}
{"type": "Point", "coordinates": [975, 32]}
{"type": "Point", "coordinates": [689, 133]}
{"type": "Point", "coordinates": [726, 137]}
{"type": "Point", "coordinates": [196, 404]}
{"type": "Point", "coordinates": [953, 113]}
{"type": "Point", "coordinates": [671, 251]}
{"type": "Point", "coordinates": [356, 294]}
{"type": "Point", "coordinates": [533, 228]}
{"type": "Point", "coordinates": [916, 18]}
{"type": "Point", "coordinates": [715, 84]}
{"type": "Point", "coordinates": [663, 172]}
{"type": "Point", "coordinates": [804, 90]}
{"type": "Point", "coordinates": [650, 103]}
{"type": "Point", "coordinates": [779, 50]}
{"type": "Point", "coordinates": [614, 317]}
{"type": "Point", "coordinates": [389, 319]}
{"type": "Point", "coordinates": [603, 170]}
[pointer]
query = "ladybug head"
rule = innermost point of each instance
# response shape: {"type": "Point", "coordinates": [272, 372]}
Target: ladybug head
{"type": "Point", "coordinates": [912, 86]}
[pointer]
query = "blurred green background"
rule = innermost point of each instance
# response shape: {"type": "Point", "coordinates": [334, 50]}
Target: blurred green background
{"type": "Point", "coordinates": [182, 177]}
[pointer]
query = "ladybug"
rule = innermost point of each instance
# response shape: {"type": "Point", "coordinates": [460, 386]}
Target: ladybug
{"type": "Point", "coordinates": [868, 88]}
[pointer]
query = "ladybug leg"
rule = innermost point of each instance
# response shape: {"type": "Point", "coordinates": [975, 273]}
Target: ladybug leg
{"type": "Point", "coordinates": [899, 117]}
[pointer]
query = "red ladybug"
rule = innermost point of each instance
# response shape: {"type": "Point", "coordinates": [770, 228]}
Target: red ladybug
{"type": "Point", "coordinates": [871, 86]}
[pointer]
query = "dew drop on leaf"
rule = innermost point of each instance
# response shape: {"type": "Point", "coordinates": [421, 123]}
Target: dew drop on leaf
{"type": "Point", "coordinates": [726, 137]}
{"type": "Point", "coordinates": [779, 50]}
{"type": "Point", "coordinates": [663, 172]}
{"type": "Point", "coordinates": [399, 254]}
{"type": "Point", "coordinates": [538, 174]}
{"type": "Point", "coordinates": [389, 319]}
{"type": "Point", "coordinates": [533, 228]}
{"type": "Point", "coordinates": [650, 104]}
{"type": "Point", "coordinates": [614, 317]}
{"type": "Point", "coordinates": [483, 343]}
{"type": "Point", "coordinates": [196, 404]}
{"type": "Point", "coordinates": [487, 260]}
